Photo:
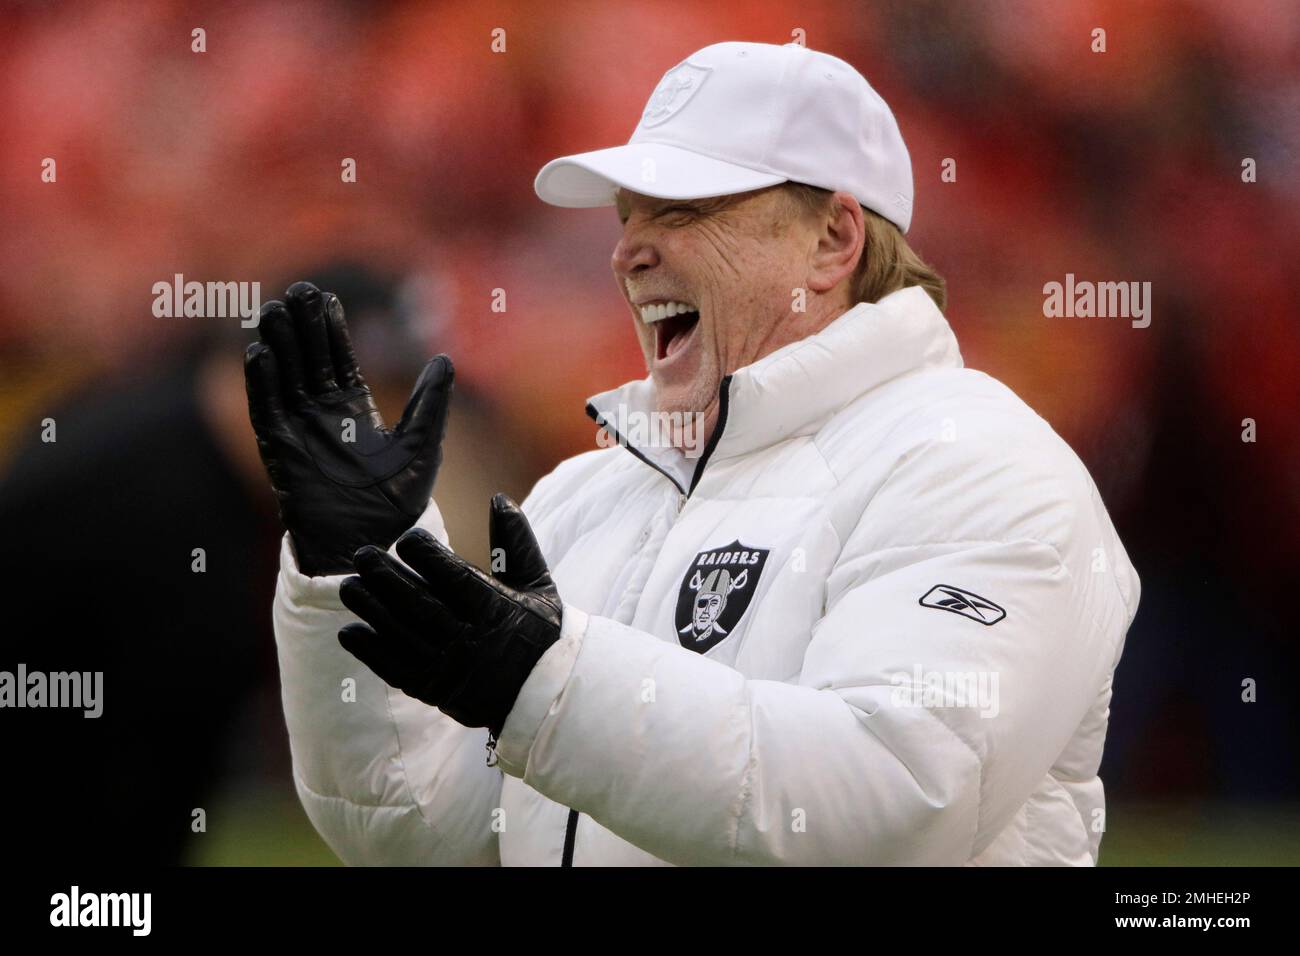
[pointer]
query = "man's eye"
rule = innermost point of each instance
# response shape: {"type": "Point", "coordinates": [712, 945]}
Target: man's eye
{"type": "Point", "coordinates": [678, 211]}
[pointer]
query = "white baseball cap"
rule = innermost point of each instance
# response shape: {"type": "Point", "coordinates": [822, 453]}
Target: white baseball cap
{"type": "Point", "coordinates": [740, 116]}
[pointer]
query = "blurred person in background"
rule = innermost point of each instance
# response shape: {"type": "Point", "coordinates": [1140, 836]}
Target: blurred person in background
{"type": "Point", "coordinates": [101, 528]}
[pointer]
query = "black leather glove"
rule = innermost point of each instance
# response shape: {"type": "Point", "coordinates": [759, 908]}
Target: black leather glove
{"type": "Point", "coordinates": [303, 384]}
{"type": "Point", "coordinates": [448, 634]}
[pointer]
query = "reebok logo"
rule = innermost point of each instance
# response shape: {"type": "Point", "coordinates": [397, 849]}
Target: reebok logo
{"type": "Point", "coordinates": [945, 597]}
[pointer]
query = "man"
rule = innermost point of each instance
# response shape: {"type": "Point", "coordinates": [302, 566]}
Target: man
{"type": "Point", "coordinates": [871, 619]}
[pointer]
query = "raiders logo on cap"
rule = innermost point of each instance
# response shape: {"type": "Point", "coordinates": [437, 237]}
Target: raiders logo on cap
{"type": "Point", "coordinates": [716, 592]}
{"type": "Point", "coordinates": [673, 92]}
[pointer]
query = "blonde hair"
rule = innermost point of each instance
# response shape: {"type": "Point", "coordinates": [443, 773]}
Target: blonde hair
{"type": "Point", "coordinates": [888, 263]}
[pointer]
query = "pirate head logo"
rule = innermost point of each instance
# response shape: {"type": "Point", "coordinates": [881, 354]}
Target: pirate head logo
{"type": "Point", "coordinates": [715, 593]}
{"type": "Point", "coordinates": [673, 92]}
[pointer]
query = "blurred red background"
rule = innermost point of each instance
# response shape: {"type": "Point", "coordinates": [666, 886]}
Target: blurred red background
{"type": "Point", "coordinates": [1116, 166]}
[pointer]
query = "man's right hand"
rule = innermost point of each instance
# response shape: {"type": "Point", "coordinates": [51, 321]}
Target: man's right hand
{"type": "Point", "coordinates": [343, 480]}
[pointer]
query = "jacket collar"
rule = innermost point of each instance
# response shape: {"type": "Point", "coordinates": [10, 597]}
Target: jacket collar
{"type": "Point", "coordinates": [798, 388]}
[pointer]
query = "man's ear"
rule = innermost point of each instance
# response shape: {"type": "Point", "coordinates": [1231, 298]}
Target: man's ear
{"type": "Point", "coordinates": [840, 235]}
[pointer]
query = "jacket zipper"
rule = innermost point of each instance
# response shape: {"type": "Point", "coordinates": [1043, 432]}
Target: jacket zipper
{"type": "Point", "coordinates": [724, 402]}
{"type": "Point", "coordinates": [570, 837]}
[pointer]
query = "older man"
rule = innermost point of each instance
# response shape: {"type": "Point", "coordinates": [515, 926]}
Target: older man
{"type": "Point", "coordinates": [870, 618]}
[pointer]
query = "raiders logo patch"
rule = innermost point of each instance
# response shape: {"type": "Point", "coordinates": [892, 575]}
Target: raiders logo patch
{"type": "Point", "coordinates": [716, 592]}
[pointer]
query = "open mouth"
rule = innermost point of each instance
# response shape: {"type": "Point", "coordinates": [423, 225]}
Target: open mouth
{"type": "Point", "coordinates": [674, 323]}
{"type": "Point", "coordinates": [673, 333]}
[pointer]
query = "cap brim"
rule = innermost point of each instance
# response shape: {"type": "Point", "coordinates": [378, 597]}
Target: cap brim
{"type": "Point", "coordinates": [586, 180]}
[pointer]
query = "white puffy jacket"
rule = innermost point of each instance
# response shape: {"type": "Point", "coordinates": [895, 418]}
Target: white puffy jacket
{"type": "Point", "coordinates": [875, 623]}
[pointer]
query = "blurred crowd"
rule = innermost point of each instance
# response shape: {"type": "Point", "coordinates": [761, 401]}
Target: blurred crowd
{"type": "Point", "coordinates": [225, 165]}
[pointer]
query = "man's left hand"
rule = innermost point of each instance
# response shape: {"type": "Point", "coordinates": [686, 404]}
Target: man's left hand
{"type": "Point", "coordinates": [444, 632]}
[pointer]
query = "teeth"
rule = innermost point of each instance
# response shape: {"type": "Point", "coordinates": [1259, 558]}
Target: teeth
{"type": "Point", "coordinates": [662, 310]}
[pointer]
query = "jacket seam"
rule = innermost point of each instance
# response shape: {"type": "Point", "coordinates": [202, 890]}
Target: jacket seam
{"type": "Point", "coordinates": [830, 469]}
{"type": "Point", "coordinates": [1033, 813]}
{"type": "Point", "coordinates": [898, 425]}
{"type": "Point", "coordinates": [979, 783]}
{"type": "Point", "coordinates": [400, 759]}
{"type": "Point", "coordinates": [746, 783]}
{"type": "Point", "coordinates": [746, 780]}
{"type": "Point", "coordinates": [335, 798]}
{"type": "Point", "coordinates": [1130, 610]}
{"type": "Point", "coordinates": [968, 541]}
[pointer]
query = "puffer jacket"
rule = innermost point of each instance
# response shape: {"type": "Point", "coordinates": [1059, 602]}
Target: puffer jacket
{"type": "Point", "coordinates": [876, 622]}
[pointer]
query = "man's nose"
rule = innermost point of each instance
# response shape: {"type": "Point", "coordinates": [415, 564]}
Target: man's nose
{"type": "Point", "coordinates": [633, 253]}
